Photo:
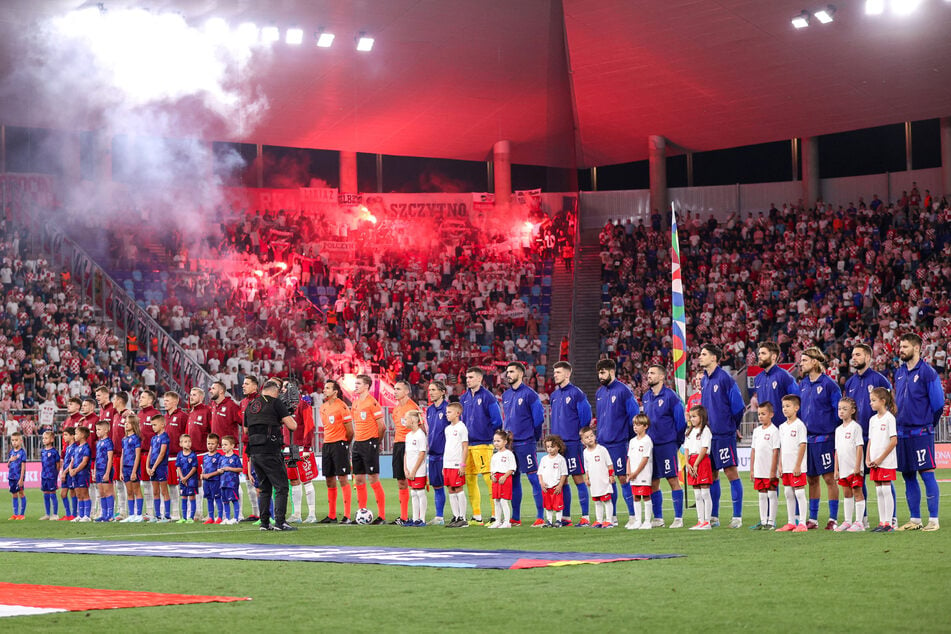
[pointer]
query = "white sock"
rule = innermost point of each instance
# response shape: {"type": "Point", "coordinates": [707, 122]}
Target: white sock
{"type": "Point", "coordinates": [297, 495]}
{"type": "Point", "coordinates": [859, 511]}
{"type": "Point", "coordinates": [773, 497]}
{"type": "Point", "coordinates": [885, 510]}
{"type": "Point", "coordinates": [790, 504]}
{"type": "Point", "coordinates": [175, 497]}
{"type": "Point", "coordinates": [803, 505]}
{"type": "Point", "coordinates": [549, 516]}
{"type": "Point", "coordinates": [497, 513]}
{"type": "Point", "coordinates": [452, 505]}
{"type": "Point", "coordinates": [506, 511]}
{"type": "Point", "coordinates": [648, 510]}
{"type": "Point", "coordinates": [311, 495]}
{"type": "Point", "coordinates": [599, 511]}
{"type": "Point", "coordinates": [609, 510]}
{"type": "Point", "coordinates": [763, 507]}
{"type": "Point", "coordinates": [707, 507]}
{"type": "Point", "coordinates": [558, 516]}
{"type": "Point", "coordinates": [849, 508]}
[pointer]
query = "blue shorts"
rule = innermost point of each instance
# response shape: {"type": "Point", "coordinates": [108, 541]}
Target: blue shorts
{"type": "Point", "coordinates": [229, 495]}
{"type": "Point", "coordinates": [160, 474]}
{"type": "Point", "coordinates": [618, 453]}
{"type": "Point", "coordinates": [916, 453]}
{"type": "Point", "coordinates": [69, 482]}
{"type": "Point", "coordinates": [187, 490]}
{"type": "Point", "coordinates": [127, 473]}
{"type": "Point", "coordinates": [723, 452]}
{"type": "Point", "coordinates": [48, 484]}
{"type": "Point", "coordinates": [820, 457]}
{"type": "Point", "coordinates": [210, 489]}
{"type": "Point", "coordinates": [664, 461]}
{"type": "Point", "coordinates": [15, 486]}
{"type": "Point", "coordinates": [526, 456]}
{"type": "Point", "coordinates": [575, 458]}
{"type": "Point", "coordinates": [435, 470]}
{"type": "Point", "coordinates": [81, 480]}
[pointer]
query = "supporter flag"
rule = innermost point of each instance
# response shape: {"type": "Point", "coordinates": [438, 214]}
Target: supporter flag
{"type": "Point", "coordinates": [679, 321]}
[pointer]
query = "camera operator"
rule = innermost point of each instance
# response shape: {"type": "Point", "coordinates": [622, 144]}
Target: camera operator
{"type": "Point", "coordinates": [264, 419]}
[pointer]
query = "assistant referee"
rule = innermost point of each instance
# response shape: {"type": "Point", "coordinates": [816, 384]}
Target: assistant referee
{"type": "Point", "coordinates": [264, 418]}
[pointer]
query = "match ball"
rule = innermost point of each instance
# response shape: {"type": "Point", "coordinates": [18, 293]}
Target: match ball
{"type": "Point", "coordinates": [364, 516]}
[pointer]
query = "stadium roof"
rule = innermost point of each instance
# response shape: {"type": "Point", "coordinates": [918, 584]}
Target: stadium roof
{"type": "Point", "coordinates": [448, 78]}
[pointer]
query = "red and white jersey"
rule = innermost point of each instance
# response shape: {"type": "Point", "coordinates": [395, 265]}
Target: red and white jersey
{"type": "Point", "coordinates": [637, 450]}
{"type": "Point", "coordinates": [881, 427]}
{"type": "Point", "coordinates": [765, 441]}
{"type": "Point", "coordinates": [551, 469]}
{"type": "Point", "coordinates": [416, 445]}
{"type": "Point", "coordinates": [453, 457]}
{"type": "Point", "coordinates": [598, 468]}
{"type": "Point", "coordinates": [848, 438]}
{"type": "Point", "coordinates": [697, 440]}
{"type": "Point", "coordinates": [502, 462]}
{"type": "Point", "coordinates": [791, 435]}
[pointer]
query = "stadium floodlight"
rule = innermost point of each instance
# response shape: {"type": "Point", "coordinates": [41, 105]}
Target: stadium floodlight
{"type": "Point", "coordinates": [270, 34]}
{"type": "Point", "coordinates": [364, 42]}
{"type": "Point", "coordinates": [904, 7]}
{"type": "Point", "coordinates": [801, 21]}
{"type": "Point", "coordinates": [825, 15]}
{"type": "Point", "coordinates": [874, 7]}
{"type": "Point", "coordinates": [324, 40]}
{"type": "Point", "coordinates": [294, 36]}
{"type": "Point", "coordinates": [247, 33]}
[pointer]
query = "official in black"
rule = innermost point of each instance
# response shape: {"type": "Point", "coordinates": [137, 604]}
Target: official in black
{"type": "Point", "coordinates": [264, 420]}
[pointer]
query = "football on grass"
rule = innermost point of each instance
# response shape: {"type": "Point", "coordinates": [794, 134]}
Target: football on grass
{"type": "Point", "coordinates": [364, 516]}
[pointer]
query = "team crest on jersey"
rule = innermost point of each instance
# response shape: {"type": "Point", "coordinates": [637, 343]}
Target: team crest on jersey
{"type": "Point", "coordinates": [520, 401]}
{"type": "Point", "coordinates": [870, 388]}
{"type": "Point", "coordinates": [479, 401]}
{"type": "Point", "coordinates": [567, 400]}
{"type": "Point", "coordinates": [775, 383]}
{"type": "Point", "coordinates": [332, 418]}
{"type": "Point", "coordinates": [613, 398]}
{"type": "Point", "coordinates": [792, 434]}
{"type": "Point", "coordinates": [597, 458]}
{"type": "Point", "coordinates": [915, 380]}
{"type": "Point", "coordinates": [440, 415]}
{"type": "Point", "coordinates": [819, 390]}
{"type": "Point", "coordinates": [716, 388]}
{"type": "Point", "coordinates": [848, 436]}
{"type": "Point", "coordinates": [363, 415]}
{"type": "Point", "coordinates": [660, 403]}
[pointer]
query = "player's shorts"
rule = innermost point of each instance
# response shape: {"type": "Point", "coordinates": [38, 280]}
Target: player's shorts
{"type": "Point", "coordinates": [229, 494]}
{"type": "Point", "coordinates": [916, 453]}
{"type": "Point", "coordinates": [526, 456]}
{"type": "Point", "coordinates": [852, 481]}
{"type": "Point", "coordinates": [417, 483]}
{"type": "Point", "coordinates": [575, 458]}
{"type": "Point", "coordinates": [399, 460]}
{"type": "Point", "coordinates": [160, 474]}
{"type": "Point", "coordinates": [878, 474]}
{"type": "Point", "coordinates": [48, 485]}
{"type": "Point", "coordinates": [452, 478]}
{"type": "Point", "coordinates": [69, 482]}
{"type": "Point", "coordinates": [552, 501]}
{"type": "Point", "coordinates": [765, 484]}
{"type": "Point", "coordinates": [723, 452]}
{"type": "Point", "coordinates": [704, 471]}
{"type": "Point", "coordinates": [210, 489]}
{"type": "Point", "coordinates": [127, 473]}
{"type": "Point", "coordinates": [305, 470]}
{"type": "Point", "coordinates": [172, 472]}
{"type": "Point", "coordinates": [335, 459]}
{"type": "Point", "coordinates": [187, 490]}
{"type": "Point", "coordinates": [502, 490]}
{"type": "Point", "coordinates": [478, 459]}
{"type": "Point", "coordinates": [101, 476]}
{"type": "Point", "coordinates": [643, 490]}
{"type": "Point", "coordinates": [664, 461]}
{"type": "Point", "coordinates": [435, 470]}
{"type": "Point", "coordinates": [15, 486]}
{"type": "Point", "coordinates": [618, 453]}
{"type": "Point", "coordinates": [796, 482]}
{"type": "Point", "coordinates": [365, 457]}
{"type": "Point", "coordinates": [601, 498]}
{"type": "Point", "coordinates": [819, 457]}
{"type": "Point", "coordinates": [81, 480]}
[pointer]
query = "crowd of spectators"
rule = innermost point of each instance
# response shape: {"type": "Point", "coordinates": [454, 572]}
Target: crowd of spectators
{"type": "Point", "coordinates": [828, 275]}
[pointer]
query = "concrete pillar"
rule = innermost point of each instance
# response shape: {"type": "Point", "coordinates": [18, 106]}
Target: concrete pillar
{"type": "Point", "coordinates": [810, 171]}
{"type": "Point", "coordinates": [657, 147]}
{"type": "Point", "coordinates": [259, 166]}
{"type": "Point", "coordinates": [348, 172]}
{"type": "Point", "coordinates": [594, 179]}
{"type": "Point", "coordinates": [794, 149]}
{"type": "Point", "coordinates": [502, 169]}
{"type": "Point", "coordinates": [946, 156]}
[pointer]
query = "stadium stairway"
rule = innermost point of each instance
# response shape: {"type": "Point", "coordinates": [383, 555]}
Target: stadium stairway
{"type": "Point", "coordinates": [560, 321]}
{"type": "Point", "coordinates": [585, 335]}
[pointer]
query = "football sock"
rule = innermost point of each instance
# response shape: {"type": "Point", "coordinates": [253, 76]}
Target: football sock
{"type": "Point", "coordinates": [74, 505]}
{"type": "Point", "coordinates": [55, 502]}
{"type": "Point", "coordinates": [849, 508]}
{"type": "Point", "coordinates": [46, 502]}
{"type": "Point", "coordinates": [584, 499]}
{"type": "Point", "coordinates": [228, 510]}
{"type": "Point", "coordinates": [678, 497]}
{"type": "Point", "coordinates": [237, 506]}
{"type": "Point", "coordinates": [210, 502]}
{"type": "Point", "coordinates": [707, 504]}
{"type": "Point", "coordinates": [106, 503]}
{"type": "Point", "coordinates": [801, 504]}
{"type": "Point", "coordinates": [558, 516]}
{"type": "Point", "coordinates": [599, 511]}
{"type": "Point", "coordinates": [404, 503]}
{"type": "Point", "coordinates": [454, 505]}
{"type": "Point", "coordinates": [537, 493]}
{"type": "Point", "coordinates": [773, 503]}
{"type": "Point", "coordinates": [361, 496]}
{"type": "Point", "coordinates": [763, 507]}
{"type": "Point", "coordinates": [497, 510]}
{"type": "Point", "coordinates": [609, 508]}
{"type": "Point", "coordinates": [860, 510]}
{"type": "Point", "coordinates": [790, 504]}
{"type": "Point", "coordinates": [657, 503]}
{"type": "Point", "coordinates": [647, 512]}
{"type": "Point", "coordinates": [168, 508]}
{"type": "Point", "coordinates": [894, 499]}
{"type": "Point", "coordinates": [884, 505]}
{"type": "Point", "coordinates": [439, 496]}
{"type": "Point", "coordinates": [912, 494]}
{"type": "Point", "coordinates": [311, 496]}
{"type": "Point", "coordinates": [130, 505]}
{"type": "Point", "coordinates": [221, 506]}
{"type": "Point", "coordinates": [715, 497]}
{"type": "Point", "coordinates": [932, 493]}
{"type": "Point", "coordinates": [628, 499]}
{"type": "Point", "coordinates": [637, 513]}
{"type": "Point", "coordinates": [516, 496]}
{"type": "Point", "coordinates": [423, 504]}
{"type": "Point", "coordinates": [814, 509]}
{"type": "Point", "coordinates": [192, 507]}
{"type": "Point", "coordinates": [566, 496]}
{"type": "Point", "coordinates": [16, 506]}
{"type": "Point", "coordinates": [297, 497]}
{"type": "Point", "coordinates": [380, 498]}
{"type": "Point", "coordinates": [736, 492]}
{"type": "Point", "coordinates": [834, 510]}
{"type": "Point", "coordinates": [475, 496]}
{"type": "Point", "coordinates": [157, 508]}
{"type": "Point", "coordinates": [506, 511]}
{"type": "Point", "coordinates": [864, 497]}
{"type": "Point", "coordinates": [347, 499]}
{"type": "Point", "coordinates": [184, 508]}
{"type": "Point", "coordinates": [332, 502]}
{"type": "Point", "coordinates": [138, 506]}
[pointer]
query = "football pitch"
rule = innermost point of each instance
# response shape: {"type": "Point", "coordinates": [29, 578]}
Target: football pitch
{"type": "Point", "coordinates": [728, 580]}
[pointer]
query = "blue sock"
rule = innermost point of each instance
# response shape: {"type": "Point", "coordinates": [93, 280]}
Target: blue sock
{"type": "Point", "coordinates": [55, 503]}
{"type": "Point", "coordinates": [131, 504]}
{"type": "Point", "coordinates": [814, 509]}
{"type": "Point", "coordinates": [614, 496]}
{"type": "Point", "coordinates": [192, 506]}
{"type": "Point", "coordinates": [912, 493]}
{"type": "Point", "coordinates": [583, 498]}
{"type": "Point", "coordinates": [168, 509]}
{"type": "Point", "coordinates": [516, 497]}
{"type": "Point", "coordinates": [271, 507]}
{"type": "Point", "coordinates": [678, 498]}
{"type": "Point", "coordinates": [184, 508]}
{"type": "Point", "coordinates": [235, 513]}
{"type": "Point", "coordinates": [16, 505]}
{"type": "Point", "coordinates": [715, 498]}
{"type": "Point", "coordinates": [894, 501]}
{"type": "Point", "coordinates": [107, 507]}
{"type": "Point", "coordinates": [46, 502]}
{"type": "Point", "coordinates": [82, 508]}
{"type": "Point", "coordinates": [931, 491]}
{"type": "Point", "coordinates": [736, 491]}
{"type": "Point", "coordinates": [157, 506]}
{"type": "Point", "coordinates": [227, 510]}
{"type": "Point", "coordinates": [221, 506]}
{"type": "Point", "coordinates": [439, 496]}
{"type": "Point", "coordinates": [74, 505]}
{"type": "Point", "coordinates": [628, 498]}
{"type": "Point", "coordinates": [537, 494]}
{"type": "Point", "coordinates": [865, 497]}
{"type": "Point", "coordinates": [657, 504]}
{"type": "Point", "coordinates": [210, 503]}
{"type": "Point", "coordinates": [566, 496]}
{"type": "Point", "coordinates": [139, 503]}
{"type": "Point", "coordinates": [834, 510]}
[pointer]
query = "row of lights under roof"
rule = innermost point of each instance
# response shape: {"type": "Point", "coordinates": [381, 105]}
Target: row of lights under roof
{"type": "Point", "coordinates": [249, 33]}
{"type": "Point", "coordinates": [872, 7]}
{"type": "Point", "coordinates": [824, 15]}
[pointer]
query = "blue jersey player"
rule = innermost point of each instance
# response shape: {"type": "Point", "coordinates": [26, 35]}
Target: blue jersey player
{"type": "Point", "coordinates": [49, 470]}
{"type": "Point", "coordinates": [524, 417]}
{"type": "Point", "coordinates": [668, 426]}
{"type": "Point", "coordinates": [920, 401]}
{"type": "Point", "coordinates": [16, 475]}
{"type": "Point", "coordinates": [230, 467]}
{"type": "Point", "coordinates": [211, 479]}
{"type": "Point", "coordinates": [773, 383]}
{"type": "Point", "coordinates": [720, 396]}
{"type": "Point", "coordinates": [570, 412]}
{"type": "Point", "coordinates": [68, 489]}
{"type": "Point", "coordinates": [482, 416]}
{"type": "Point", "coordinates": [79, 470]}
{"type": "Point", "coordinates": [436, 436]}
{"type": "Point", "coordinates": [186, 462]}
{"type": "Point", "coordinates": [616, 409]}
{"type": "Point", "coordinates": [156, 467]}
{"type": "Point", "coordinates": [104, 474]}
{"type": "Point", "coordinates": [820, 412]}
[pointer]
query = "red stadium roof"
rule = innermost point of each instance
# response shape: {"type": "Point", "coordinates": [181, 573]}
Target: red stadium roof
{"type": "Point", "coordinates": [448, 78]}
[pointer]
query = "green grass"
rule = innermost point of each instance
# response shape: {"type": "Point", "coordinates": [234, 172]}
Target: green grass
{"type": "Point", "coordinates": [730, 579]}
